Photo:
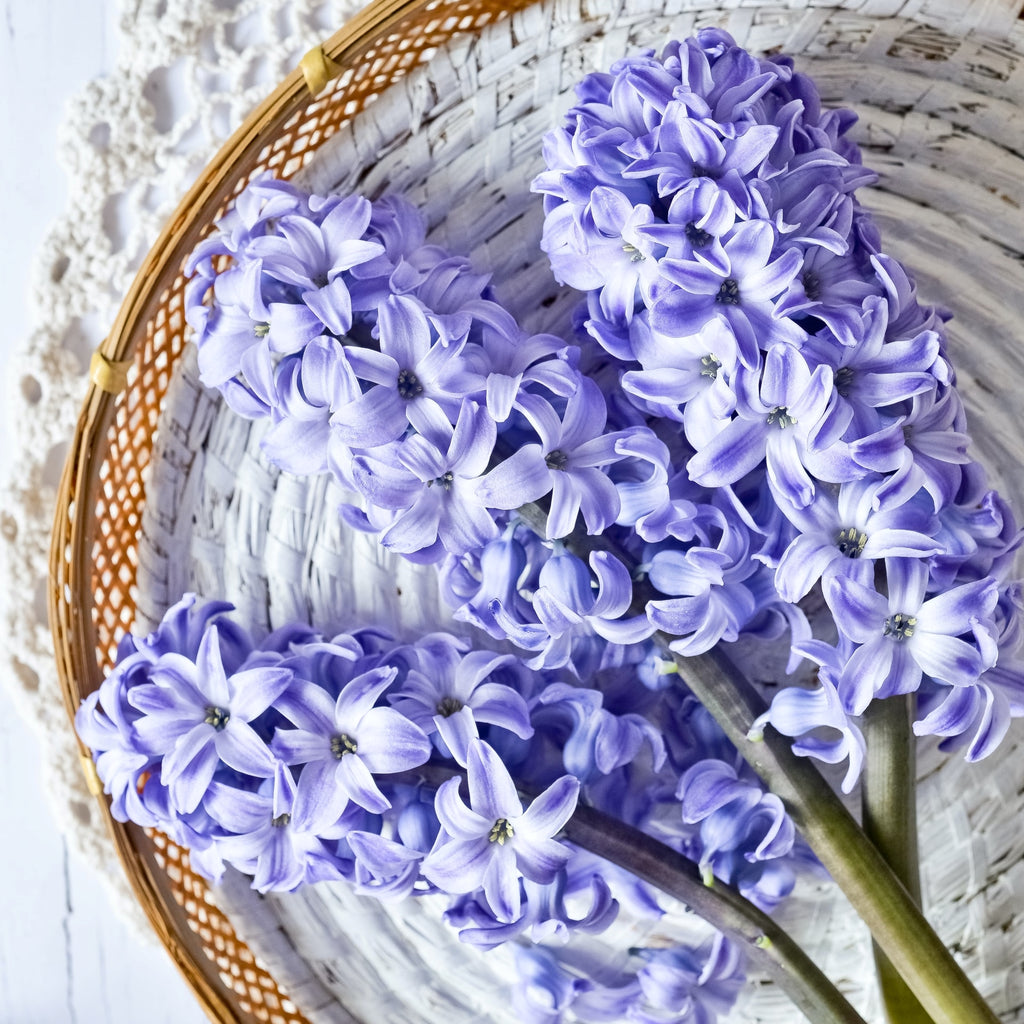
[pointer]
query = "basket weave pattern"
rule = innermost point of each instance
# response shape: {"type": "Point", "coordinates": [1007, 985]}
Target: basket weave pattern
{"type": "Point", "coordinates": [95, 553]}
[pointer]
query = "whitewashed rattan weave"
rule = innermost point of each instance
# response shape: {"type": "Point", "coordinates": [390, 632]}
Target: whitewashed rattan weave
{"type": "Point", "coordinates": [940, 91]}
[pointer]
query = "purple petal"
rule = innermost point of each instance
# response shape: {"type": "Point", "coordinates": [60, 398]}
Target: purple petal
{"type": "Point", "coordinates": [521, 478]}
{"type": "Point", "coordinates": [240, 748]}
{"type": "Point", "coordinates": [389, 742]}
{"type": "Point", "coordinates": [459, 865]}
{"type": "Point", "coordinates": [456, 818]}
{"type": "Point", "coordinates": [501, 883]}
{"type": "Point", "coordinates": [549, 811]}
{"type": "Point", "coordinates": [356, 781]}
{"type": "Point", "coordinates": [946, 658]}
{"type": "Point", "coordinates": [492, 792]}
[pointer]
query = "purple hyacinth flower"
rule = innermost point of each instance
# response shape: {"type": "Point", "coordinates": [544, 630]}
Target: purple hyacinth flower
{"type": "Point", "coordinates": [452, 690]}
{"type": "Point", "coordinates": [606, 249]}
{"type": "Point", "coordinates": [904, 635]}
{"type": "Point", "coordinates": [845, 533]}
{"type": "Point", "coordinates": [183, 628]}
{"type": "Point", "coordinates": [126, 773]}
{"type": "Point", "coordinates": [925, 448]}
{"type": "Point", "coordinates": [571, 615]}
{"type": "Point", "coordinates": [600, 741]}
{"type": "Point", "coordinates": [383, 868]}
{"type": "Point", "coordinates": [798, 712]}
{"type": "Point", "coordinates": [431, 484]}
{"type": "Point", "coordinates": [569, 462]}
{"type": "Point", "coordinates": [687, 378]}
{"type": "Point", "coordinates": [196, 716]}
{"type": "Point", "coordinates": [277, 833]}
{"type": "Point", "coordinates": [743, 293]}
{"type": "Point", "coordinates": [978, 716]}
{"type": "Point", "coordinates": [493, 841]}
{"type": "Point", "coordinates": [416, 378]}
{"type": "Point", "coordinates": [344, 743]}
{"type": "Point", "coordinates": [691, 984]}
{"type": "Point", "coordinates": [779, 419]}
{"type": "Point", "coordinates": [683, 150]}
{"type": "Point", "coordinates": [312, 257]}
{"type": "Point", "coordinates": [307, 387]}
{"type": "Point", "coordinates": [698, 219]}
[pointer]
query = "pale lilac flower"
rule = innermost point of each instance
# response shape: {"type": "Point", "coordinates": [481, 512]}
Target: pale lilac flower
{"type": "Point", "coordinates": [803, 713]}
{"type": "Point", "coordinates": [493, 841]}
{"type": "Point", "coordinates": [688, 379]}
{"type": "Point", "coordinates": [845, 532]}
{"type": "Point", "coordinates": [743, 293]}
{"type": "Point", "coordinates": [779, 419]}
{"type": "Point", "coordinates": [925, 448]}
{"type": "Point", "coordinates": [415, 379]}
{"type": "Point", "coordinates": [452, 689]}
{"type": "Point", "coordinates": [569, 462]}
{"type": "Point", "coordinates": [344, 743]}
{"type": "Point", "coordinates": [276, 833]}
{"type": "Point", "coordinates": [432, 485]}
{"type": "Point", "coordinates": [606, 248]}
{"type": "Point", "coordinates": [196, 716]}
{"type": "Point", "coordinates": [904, 635]}
{"type": "Point", "coordinates": [571, 613]}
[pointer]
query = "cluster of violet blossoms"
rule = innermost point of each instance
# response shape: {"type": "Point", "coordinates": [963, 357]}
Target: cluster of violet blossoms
{"type": "Point", "coordinates": [301, 759]}
{"type": "Point", "coordinates": [704, 201]}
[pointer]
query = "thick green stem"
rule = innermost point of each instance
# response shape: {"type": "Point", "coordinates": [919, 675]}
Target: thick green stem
{"type": "Point", "coordinates": [854, 862]}
{"type": "Point", "coordinates": [888, 795]}
{"type": "Point", "coordinates": [768, 947]}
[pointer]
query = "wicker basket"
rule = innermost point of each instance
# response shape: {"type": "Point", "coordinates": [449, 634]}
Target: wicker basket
{"type": "Point", "coordinates": [940, 88]}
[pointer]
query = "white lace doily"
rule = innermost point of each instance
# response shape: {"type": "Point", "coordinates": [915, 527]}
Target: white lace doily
{"type": "Point", "coordinates": [187, 74]}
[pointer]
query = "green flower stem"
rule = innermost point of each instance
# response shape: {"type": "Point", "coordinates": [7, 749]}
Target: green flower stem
{"type": "Point", "coordinates": [888, 796]}
{"type": "Point", "coordinates": [769, 949]}
{"type": "Point", "coordinates": [856, 865]}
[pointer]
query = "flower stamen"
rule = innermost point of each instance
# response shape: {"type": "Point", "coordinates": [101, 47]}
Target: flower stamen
{"type": "Point", "coordinates": [409, 386]}
{"type": "Point", "coordinates": [449, 706]}
{"type": "Point", "coordinates": [342, 745]}
{"type": "Point", "coordinates": [698, 237]}
{"type": "Point", "coordinates": [779, 416]}
{"type": "Point", "coordinates": [500, 831]}
{"type": "Point", "coordinates": [729, 293]}
{"type": "Point", "coordinates": [556, 459]}
{"type": "Point", "coordinates": [900, 626]}
{"type": "Point", "coordinates": [217, 717]}
{"type": "Point", "coordinates": [851, 542]}
{"type": "Point", "coordinates": [710, 365]}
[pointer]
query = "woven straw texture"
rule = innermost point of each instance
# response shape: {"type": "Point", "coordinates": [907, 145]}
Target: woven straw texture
{"type": "Point", "coordinates": [939, 89]}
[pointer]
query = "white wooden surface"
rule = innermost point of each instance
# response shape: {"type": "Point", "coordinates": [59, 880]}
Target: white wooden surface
{"type": "Point", "coordinates": [64, 957]}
